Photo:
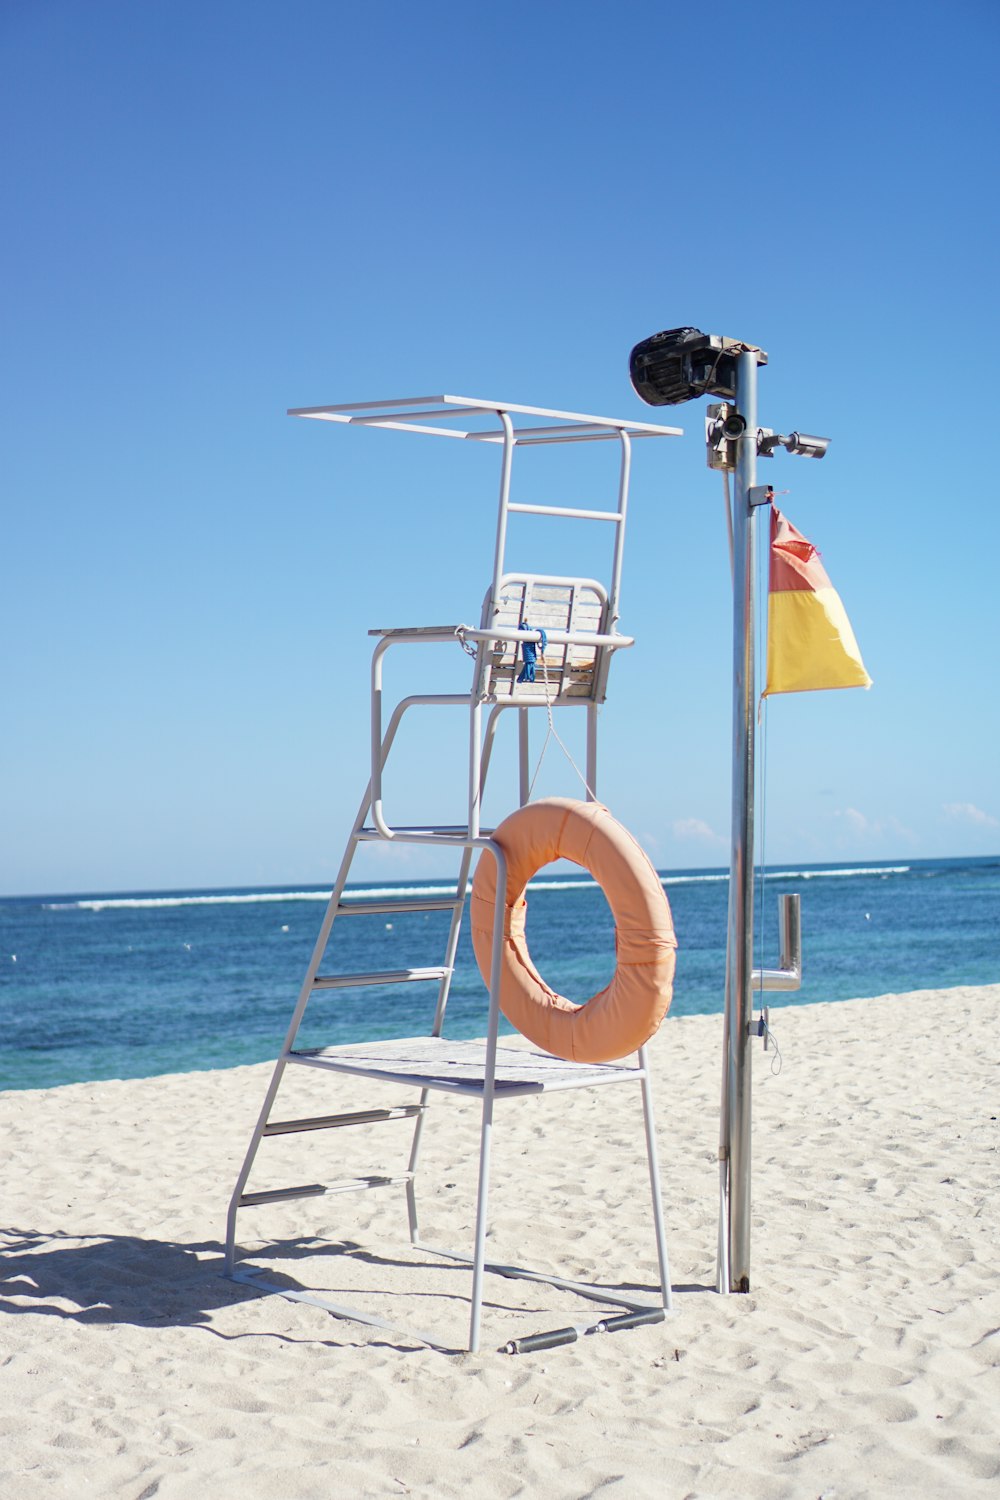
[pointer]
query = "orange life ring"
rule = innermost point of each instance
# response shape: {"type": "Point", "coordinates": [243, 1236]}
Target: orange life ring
{"type": "Point", "coordinates": [628, 1011]}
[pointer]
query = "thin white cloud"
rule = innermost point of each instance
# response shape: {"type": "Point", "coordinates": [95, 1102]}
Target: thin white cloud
{"type": "Point", "coordinates": [861, 826]}
{"type": "Point", "coordinates": [968, 812]}
{"type": "Point", "coordinates": [697, 829]}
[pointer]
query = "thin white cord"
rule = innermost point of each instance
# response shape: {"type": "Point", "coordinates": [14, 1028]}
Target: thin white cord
{"type": "Point", "coordinates": [761, 768]}
{"type": "Point", "coordinates": [553, 733]}
{"type": "Point", "coordinates": [769, 1036]}
{"type": "Point", "coordinates": [762, 864]}
{"type": "Point", "coordinates": [764, 1022]}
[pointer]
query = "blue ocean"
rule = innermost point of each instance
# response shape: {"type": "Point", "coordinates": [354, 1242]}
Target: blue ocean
{"type": "Point", "coordinates": [134, 984]}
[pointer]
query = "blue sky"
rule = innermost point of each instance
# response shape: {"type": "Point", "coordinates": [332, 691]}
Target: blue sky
{"type": "Point", "coordinates": [215, 212]}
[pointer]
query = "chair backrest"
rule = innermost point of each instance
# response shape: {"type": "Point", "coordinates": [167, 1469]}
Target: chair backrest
{"type": "Point", "coordinates": [534, 601]}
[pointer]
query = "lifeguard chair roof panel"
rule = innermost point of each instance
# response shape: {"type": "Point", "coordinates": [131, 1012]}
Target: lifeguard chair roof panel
{"type": "Point", "coordinates": [481, 421]}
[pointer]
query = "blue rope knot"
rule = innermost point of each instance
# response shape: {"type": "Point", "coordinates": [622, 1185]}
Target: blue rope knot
{"type": "Point", "coordinates": [530, 651]}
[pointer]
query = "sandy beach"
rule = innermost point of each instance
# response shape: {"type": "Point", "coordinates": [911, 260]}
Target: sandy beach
{"type": "Point", "coordinates": [862, 1363]}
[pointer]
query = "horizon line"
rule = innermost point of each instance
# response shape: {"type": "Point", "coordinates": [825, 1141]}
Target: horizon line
{"type": "Point", "coordinates": [777, 868]}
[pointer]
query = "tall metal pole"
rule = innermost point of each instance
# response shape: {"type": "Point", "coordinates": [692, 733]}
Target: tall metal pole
{"type": "Point", "coordinates": [739, 952]}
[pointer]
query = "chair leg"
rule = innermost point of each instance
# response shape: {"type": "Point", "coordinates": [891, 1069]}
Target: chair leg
{"type": "Point", "coordinates": [482, 1209]}
{"type": "Point", "coordinates": [489, 1086]}
{"type": "Point", "coordinates": [654, 1182]}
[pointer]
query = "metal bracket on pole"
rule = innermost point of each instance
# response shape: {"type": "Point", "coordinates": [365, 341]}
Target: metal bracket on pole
{"type": "Point", "coordinates": [788, 974]}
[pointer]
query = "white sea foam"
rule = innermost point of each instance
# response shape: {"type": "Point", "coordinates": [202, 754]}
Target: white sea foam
{"type": "Point", "coordinates": [827, 874]}
{"type": "Point", "coordinates": [395, 892]}
{"type": "Point", "coordinates": [128, 903]}
{"type": "Point", "coordinates": [250, 898]}
{"type": "Point", "coordinates": [790, 874]}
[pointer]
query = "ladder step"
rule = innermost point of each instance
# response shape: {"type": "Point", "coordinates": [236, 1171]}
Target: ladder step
{"type": "Point", "coordinates": [334, 1122]}
{"type": "Point", "coordinates": [380, 908]}
{"type": "Point", "coordinates": [384, 976]}
{"type": "Point", "coordinates": [565, 510]}
{"type": "Point", "coordinates": [361, 1184]}
{"type": "Point", "coordinates": [316, 1189]}
{"type": "Point", "coordinates": [313, 1190]}
{"type": "Point", "coordinates": [444, 831]}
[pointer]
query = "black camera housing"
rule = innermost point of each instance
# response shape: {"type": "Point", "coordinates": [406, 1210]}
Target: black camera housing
{"type": "Point", "coordinates": [681, 364]}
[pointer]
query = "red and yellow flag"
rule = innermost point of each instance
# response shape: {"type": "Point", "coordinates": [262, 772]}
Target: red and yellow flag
{"type": "Point", "coordinates": [810, 643]}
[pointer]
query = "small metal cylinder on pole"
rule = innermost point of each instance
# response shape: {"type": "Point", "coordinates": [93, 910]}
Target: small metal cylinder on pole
{"type": "Point", "coordinates": [739, 948]}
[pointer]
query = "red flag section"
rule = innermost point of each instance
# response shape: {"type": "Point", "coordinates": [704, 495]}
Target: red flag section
{"type": "Point", "coordinates": [810, 643]}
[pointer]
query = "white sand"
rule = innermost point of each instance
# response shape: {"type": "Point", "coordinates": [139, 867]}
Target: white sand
{"type": "Point", "coordinates": [863, 1363]}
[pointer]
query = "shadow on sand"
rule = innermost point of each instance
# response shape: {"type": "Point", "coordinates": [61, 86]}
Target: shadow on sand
{"type": "Point", "coordinates": [102, 1280]}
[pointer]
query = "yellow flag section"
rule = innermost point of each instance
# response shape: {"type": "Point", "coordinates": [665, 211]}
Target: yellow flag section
{"type": "Point", "coordinates": [810, 643]}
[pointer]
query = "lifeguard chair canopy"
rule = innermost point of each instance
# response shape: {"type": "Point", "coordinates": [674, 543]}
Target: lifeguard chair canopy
{"type": "Point", "coordinates": [481, 421]}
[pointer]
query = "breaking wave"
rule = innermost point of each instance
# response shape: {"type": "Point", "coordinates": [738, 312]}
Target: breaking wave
{"type": "Point", "coordinates": [394, 892]}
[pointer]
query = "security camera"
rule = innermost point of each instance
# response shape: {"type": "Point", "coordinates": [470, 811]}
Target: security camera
{"type": "Point", "coordinates": [807, 445]}
{"type": "Point", "coordinates": [802, 443]}
{"type": "Point", "coordinates": [724, 426]}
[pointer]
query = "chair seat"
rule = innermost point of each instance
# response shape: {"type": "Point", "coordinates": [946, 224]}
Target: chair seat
{"type": "Point", "coordinates": [458, 1067]}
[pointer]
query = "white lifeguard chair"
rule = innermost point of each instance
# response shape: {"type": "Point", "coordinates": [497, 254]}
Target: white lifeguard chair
{"type": "Point", "coordinates": [579, 616]}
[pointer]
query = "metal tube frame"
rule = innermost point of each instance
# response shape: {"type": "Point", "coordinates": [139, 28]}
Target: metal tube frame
{"type": "Point", "coordinates": [468, 839]}
{"type": "Point", "coordinates": [478, 1263]}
